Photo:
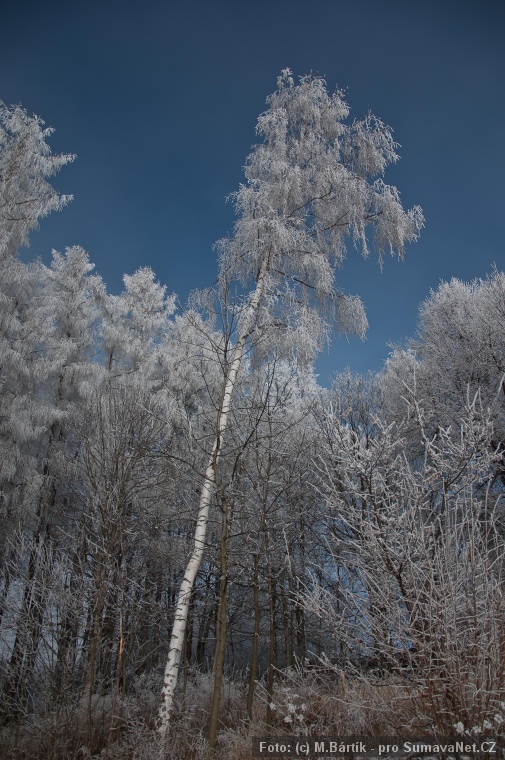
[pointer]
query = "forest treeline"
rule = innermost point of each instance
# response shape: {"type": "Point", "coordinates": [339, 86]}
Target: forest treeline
{"type": "Point", "coordinates": [353, 567]}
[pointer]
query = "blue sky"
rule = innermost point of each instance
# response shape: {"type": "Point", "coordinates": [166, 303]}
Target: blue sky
{"type": "Point", "coordinates": [159, 101]}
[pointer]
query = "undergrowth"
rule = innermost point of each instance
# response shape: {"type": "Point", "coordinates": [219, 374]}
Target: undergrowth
{"type": "Point", "coordinates": [123, 727]}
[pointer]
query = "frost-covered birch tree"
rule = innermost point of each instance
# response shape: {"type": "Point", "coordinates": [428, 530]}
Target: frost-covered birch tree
{"type": "Point", "coordinates": [313, 183]}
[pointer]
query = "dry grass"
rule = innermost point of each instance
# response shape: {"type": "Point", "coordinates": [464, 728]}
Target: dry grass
{"type": "Point", "coordinates": [335, 704]}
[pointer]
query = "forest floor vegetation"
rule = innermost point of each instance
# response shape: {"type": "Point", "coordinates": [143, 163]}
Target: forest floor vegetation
{"type": "Point", "coordinates": [305, 704]}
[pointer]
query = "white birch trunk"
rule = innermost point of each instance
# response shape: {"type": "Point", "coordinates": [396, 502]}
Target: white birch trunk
{"type": "Point", "coordinates": [181, 611]}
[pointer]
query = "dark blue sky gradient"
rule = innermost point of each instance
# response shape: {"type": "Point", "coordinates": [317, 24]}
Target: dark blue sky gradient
{"type": "Point", "coordinates": [159, 101]}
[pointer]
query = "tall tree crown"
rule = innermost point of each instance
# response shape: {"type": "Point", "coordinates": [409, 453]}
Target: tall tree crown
{"type": "Point", "coordinates": [311, 184]}
{"type": "Point", "coordinates": [26, 162]}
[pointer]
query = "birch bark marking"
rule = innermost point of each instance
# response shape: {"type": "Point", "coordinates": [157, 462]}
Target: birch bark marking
{"type": "Point", "coordinates": [310, 184]}
{"type": "Point", "coordinates": [182, 608]}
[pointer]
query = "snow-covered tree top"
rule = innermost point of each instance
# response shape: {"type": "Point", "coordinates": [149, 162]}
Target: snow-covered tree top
{"type": "Point", "coordinates": [25, 163]}
{"type": "Point", "coordinates": [313, 183]}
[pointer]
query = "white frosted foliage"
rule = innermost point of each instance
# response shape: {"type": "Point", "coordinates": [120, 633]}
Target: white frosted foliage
{"type": "Point", "coordinates": [26, 162]}
{"type": "Point", "coordinates": [311, 184]}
